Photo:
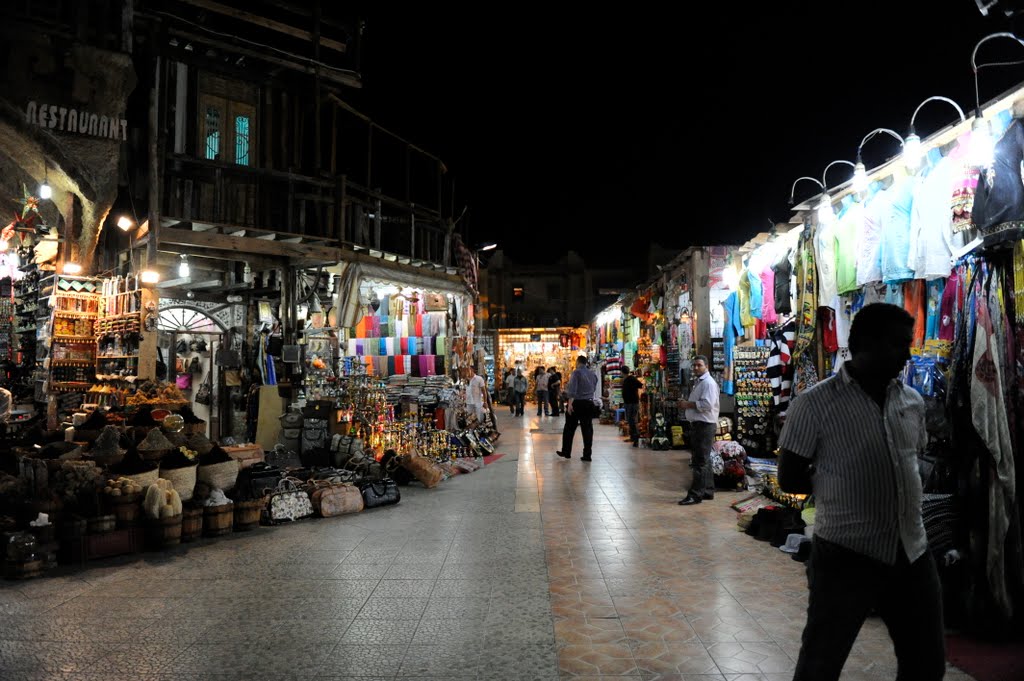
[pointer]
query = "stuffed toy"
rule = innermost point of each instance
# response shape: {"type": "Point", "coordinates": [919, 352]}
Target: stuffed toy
{"type": "Point", "coordinates": [660, 439]}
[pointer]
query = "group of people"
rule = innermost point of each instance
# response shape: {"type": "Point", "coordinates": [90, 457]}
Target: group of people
{"type": "Point", "coordinates": [547, 389]}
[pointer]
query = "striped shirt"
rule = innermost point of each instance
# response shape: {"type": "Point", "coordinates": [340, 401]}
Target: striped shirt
{"type": "Point", "coordinates": [705, 396]}
{"type": "Point", "coordinates": [867, 488]}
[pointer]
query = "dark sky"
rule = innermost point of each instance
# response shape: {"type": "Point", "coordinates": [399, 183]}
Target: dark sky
{"type": "Point", "coordinates": [603, 131]}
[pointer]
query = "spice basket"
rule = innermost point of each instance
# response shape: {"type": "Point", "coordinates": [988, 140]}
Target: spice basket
{"type": "Point", "coordinates": [219, 475]}
{"type": "Point", "coordinates": [143, 480]}
{"type": "Point", "coordinates": [247, 514]}
{"type": "Point", "coordinates": [218, 520]}
{"type": "Point", "coordinates": [192, 523]}
{"type": "Point", "coordinates": [183, 480]}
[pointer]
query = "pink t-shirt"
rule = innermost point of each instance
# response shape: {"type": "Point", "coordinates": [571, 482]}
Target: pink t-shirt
{"type": "Point", "coordinates": [768, 315]}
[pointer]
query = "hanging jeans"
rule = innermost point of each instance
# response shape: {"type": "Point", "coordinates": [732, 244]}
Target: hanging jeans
{"type": "Point", "coordinates": [845, 586]}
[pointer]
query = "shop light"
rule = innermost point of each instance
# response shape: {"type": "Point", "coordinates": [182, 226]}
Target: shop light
{"type": "Point", "coordinates": [983, 146]}
{"type": "Point", "coordinates": [72, 268]}
{"type": "Point", "coordinates": [824, 174]}
{"type": "Point", "coordinates": [912, 154]}
{"type": "Point", "coordinates": [489, 247]}
{"type": "Point", "coordinates": [860, 172]}
{"type": "Point", "coordinates": [125, 223]}
{"type": "Point", "coordinates": [45, 192]}
{"type": "Point", "coordinates": [860, 177]}
{"type": "Point", "coordinates": [825, 213]}
{"type": "Point", "coordinates": [149, 276]}
{"type": "Point", "coordinates": [183, 269]}
{"type": "Point", "coordinates": [793, 188]}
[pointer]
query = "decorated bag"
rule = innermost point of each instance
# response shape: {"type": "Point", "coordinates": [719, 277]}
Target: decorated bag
{"type": "Point", "coordinates": [183, 381]}
{"type": "Point", "coordinates": [380, 492]}
{"type": "Point", "coordinates": [332, 499]}
{"type": "Point", "coordinates": [288, 502]}
{"type": "Point", "coordinates": [423, 469]}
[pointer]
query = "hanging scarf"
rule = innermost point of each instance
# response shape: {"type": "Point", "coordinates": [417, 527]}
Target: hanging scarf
{"type": "Point", "coordinates": [806, 295]}
{"type": "Point", "coordinates": [988, 414]}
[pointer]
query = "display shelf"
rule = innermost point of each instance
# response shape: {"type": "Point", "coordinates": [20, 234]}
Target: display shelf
{"type": "Point", "coordinates": [74, 339]}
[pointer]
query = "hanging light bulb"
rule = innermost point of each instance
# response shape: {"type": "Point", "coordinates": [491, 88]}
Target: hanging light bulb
{"type": "Point", "coordinates": [72, 268]}
{"type": "Point", "coordinates": [912, 151]}
{"type": "Point", "coordinates": [983, 147]}
{"type": "Point", "coordinates": [124, 223]}
{"type": "Point", "coordinates": [825, 213]}
{"type": "Point", "coordinates": [149, 276]}
{"type": "Point", "coordinates": [860, 178]}
{"type": "Point", "coordinates": [183, 269]}
{"type": "Point", "coordinates": [45, 192]}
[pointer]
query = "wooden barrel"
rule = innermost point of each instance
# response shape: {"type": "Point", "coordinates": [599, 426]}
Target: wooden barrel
{"type": "Point", "coordinates": [102, 524]}
{"type": "Point", "coordinates": [164, 532]}
{"type": "Point", "coordinates": [191, 523]}
{"type": "Point", "coordinates": [218, 520]}
{"type": "Point", "coordinates": [23, 569]}
{"type": "Point", "coordinates": [247, 514]}
{"type": "Point", "coordinates": [127, 510]}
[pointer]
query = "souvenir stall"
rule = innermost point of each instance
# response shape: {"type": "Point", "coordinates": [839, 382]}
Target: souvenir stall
{"type": "Point", "coordinates": [528, 349]}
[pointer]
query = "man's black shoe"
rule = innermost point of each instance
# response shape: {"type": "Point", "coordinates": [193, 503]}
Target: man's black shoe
{"type": "Point", "coordinates": [689, 501]}
{"type": "Point", "coordinates": [586, 458]}
{"type": "Point", "coordinates": [636, 444]}
{"type": "Point", "coordinates": [564, 456]}
{"type": "Point", "coordinates": [708, 497]}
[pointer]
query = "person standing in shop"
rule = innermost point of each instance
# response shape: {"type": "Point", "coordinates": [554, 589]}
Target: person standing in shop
{"type": "Point", "coordinates": [555, 390]}
{"type": "Point", "coordinates": [853, 441]}
{"type": "Point", "coordinates": [702, 413]}
{"type": "Point", "coordinates": [476, 395]}
{"type": "Point", "coordinates": [519, 387]}
{"type": "Point", "coordinates": [541, 380]}
{"type": "Point", "coordinates": [631, 387]}
{"type": "Point", "coordinates": [580, 409]}
{"type": "Point", "coordinates": [506, 383]}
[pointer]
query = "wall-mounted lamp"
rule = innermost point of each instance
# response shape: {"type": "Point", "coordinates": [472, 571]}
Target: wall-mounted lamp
{"type": "Point", "coordinates": [860, 171]}
{"type": "Point", "coordinates": [45, 192]}
{"type": "Point", "coordinates": [150, 277]}
{"type": "Point", "coordinates": [824, 174]}
{"type": "Point", "coordinates": [183, 269]}
{"type": "Point", "coordinates": [825, 213]}
{"type": "Point", "coordinates": [793, 188]}
{"type": "Point", "coordinates": [125, 223]}
{"type": "Point", "coordinates": [912, 144]}
{"type": "Point", "coordinates": [72, 268]}
{"type": "Point", "coordinates": [982, 143]}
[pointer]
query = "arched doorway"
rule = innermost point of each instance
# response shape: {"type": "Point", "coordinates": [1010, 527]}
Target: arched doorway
{"type": "Point", "coordinates": [189, 337]}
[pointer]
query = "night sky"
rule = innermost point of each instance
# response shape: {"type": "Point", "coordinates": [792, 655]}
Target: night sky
{"type": "Point", "coordinates": [596, 129]}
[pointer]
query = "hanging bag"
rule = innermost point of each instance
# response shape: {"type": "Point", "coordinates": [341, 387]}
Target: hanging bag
{"type": "Point", "coordinates": [205, 393]}
{"type": "Point", "coordinates": [183, 381]}
{"type": "Point", "coordinates": [194, 367]}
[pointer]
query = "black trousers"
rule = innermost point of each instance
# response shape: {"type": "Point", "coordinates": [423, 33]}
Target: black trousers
{"type": "Point", "coordinates": [582, 414]}
{"type": "Point", "coordinates": [553, 397]}
{"type": "Point", "coordinates": [845, 586]}
{"type": "Point", "coordinates": [702, 439]}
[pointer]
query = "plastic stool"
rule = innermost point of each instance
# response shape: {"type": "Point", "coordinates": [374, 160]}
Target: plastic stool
{"type": "Point", "coordinates": [619, 415]}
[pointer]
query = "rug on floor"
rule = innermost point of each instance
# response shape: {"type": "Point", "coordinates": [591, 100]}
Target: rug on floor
{"type": "Point", "coordinates": [986, 660]}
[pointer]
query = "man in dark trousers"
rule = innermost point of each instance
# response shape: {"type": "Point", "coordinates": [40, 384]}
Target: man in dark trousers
{"type": "Point", "coordinates": [702, 413]}
{"type": "Point", "coordinates": [580, 409]}
{"type": "Point", "coordinates": [631, 387]}
{"type": "Point", "coordinates": [555, 390]}
{"type": "Point", "coordinates": [853, 441]}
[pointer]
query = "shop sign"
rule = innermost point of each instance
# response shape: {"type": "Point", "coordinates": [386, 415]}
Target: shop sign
{"type": "Point", "coordinates": [64, 119]}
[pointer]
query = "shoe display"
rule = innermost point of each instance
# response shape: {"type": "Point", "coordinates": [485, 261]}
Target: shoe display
{"type": "Point", "coordinates": [689, 501]}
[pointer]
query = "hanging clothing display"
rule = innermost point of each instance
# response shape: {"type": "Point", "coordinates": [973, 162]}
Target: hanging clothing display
{"type": "Point", "coordinates": [895, 244]}
{"type": "Point", "coordinates": [768, 314]}
{"type": "Point", "coordinates": [780, 363]}
{"type": "Point", "coordinates": [782, 271]}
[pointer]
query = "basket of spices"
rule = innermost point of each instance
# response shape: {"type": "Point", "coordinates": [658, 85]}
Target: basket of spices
{"type": "Point", "coordinates": [107, 451]}
{"type": "Point", "coordinates": [155, 446]}
{"type": "Point", "coordinates": [180, 468]}
{"type": "Point", "coordinates": [217, 469]}
{"type": "Point", "coordinates": [200, 443]}
{"type": "Point", "coordinates": [140, 471]}
{"type": "Point", "coordinates": [193, 424]}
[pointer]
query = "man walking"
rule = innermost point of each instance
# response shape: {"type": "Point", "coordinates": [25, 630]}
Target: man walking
{"type": "Point", "coordinates": [476, 395]}
{"type": "Point", "coordinates": [554, 390]}
{"type": "Point", "coordinates": [631, 387]}
{"type": "Point", "coordinates": [519, 387]}
{"type": "Point", "coordinates": [580, 409]}
{"type": "Point", "coordinates": [702, 413]}
{"type": "Point", "coordinates": [541, 380]}
{"type": "Point", "coordinates": [853, 441]}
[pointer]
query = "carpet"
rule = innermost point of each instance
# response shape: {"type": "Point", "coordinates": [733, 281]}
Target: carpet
{"type": "Point", "coordinates": [489, 459]}
{"type": "Point", "coordinates": [986, 660]}
{"type": "Point", "coordinates": [752, 503]}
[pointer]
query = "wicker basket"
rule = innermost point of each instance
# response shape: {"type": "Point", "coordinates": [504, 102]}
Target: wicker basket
{"type": "Point", "coordinates": [164, 532]}
{"type": "Point", "coordinates": [154, 454]}
{"type": "Point", "coordinates": [191, 523]}
{"type": "Point", "coordinates": [144, 480]}
{"type": "Point", "coordinates": [247, 514]}
{"type": "Point", "coordinates": [109, 458]}
{"type": "Point", "coordinates": [183, 480]}
{"type": "Point", "coordinates": [218, 520]}
{"type": "Point", "coordinates": [219, 475]}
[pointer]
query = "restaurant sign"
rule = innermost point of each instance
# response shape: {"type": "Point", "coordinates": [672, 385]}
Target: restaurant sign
{"type": "Point", "coordinates": [64, 119]}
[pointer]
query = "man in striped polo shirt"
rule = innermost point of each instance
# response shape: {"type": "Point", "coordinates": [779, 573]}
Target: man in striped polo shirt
{"type": "Point", "coordinates": [853, 441]}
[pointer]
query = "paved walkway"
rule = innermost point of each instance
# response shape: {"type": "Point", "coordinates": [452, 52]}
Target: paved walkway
{"type": "Point", "coordinates": [533, 569]}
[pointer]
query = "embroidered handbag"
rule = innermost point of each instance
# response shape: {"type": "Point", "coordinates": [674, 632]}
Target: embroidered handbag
{"type": "Point", "coordinates": [423, 469]}
{"type": "Point", "coordinates": [288, 502]}
{"type": "Point", "coordinates": [333, 499]}
{"type": "Point", "coordinates": [383, 492]}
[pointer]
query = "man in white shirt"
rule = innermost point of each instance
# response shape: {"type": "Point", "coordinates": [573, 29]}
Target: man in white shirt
{"type": "Point", "coordinates": [702, 413]}
{"type": "Point", "coordinates": [476, 396]}
{"type": "Point", "coordinates": [541, 378]}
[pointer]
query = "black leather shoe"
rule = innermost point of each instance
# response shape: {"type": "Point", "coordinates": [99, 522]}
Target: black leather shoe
{"type": "Point", "coordinates": [564, 456]}
{"type": "Point", "coordinates": [636, 444]}
{"type": "Point", "coordinates": [586, 458]}
{"type": "Point", "coordinates": [708, 497]}
{"type": "Point", "coordinates": [689, 501]}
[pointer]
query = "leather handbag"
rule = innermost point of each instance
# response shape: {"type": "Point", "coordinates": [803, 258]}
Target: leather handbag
{"type": "Point", "coordinates": [194, 367]}
{"type": "Point", "coordinates": [288, 501]}
{"type": "Point", "coordinates": [383, 492]}
{"type": "Point", "coordinates": [423, 469]}
{"type": "Point", "coordinates": [226, 357]}
{"type": "Point", "coordinates": [314, 434]}
{"type": "Point", "coordinates": [333, 499]}
{"type": "Point", "coordinates": [232, 378]}
{"type": "Point", "coordinates": [254, 481]}
{"type": "Point", "coordinates": [205, 393]}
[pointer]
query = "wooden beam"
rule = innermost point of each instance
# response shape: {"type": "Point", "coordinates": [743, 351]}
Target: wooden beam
{"type": "Point", "coordinates": [240, 246]}
{"type": "Point", "coordinates": [266, 23]}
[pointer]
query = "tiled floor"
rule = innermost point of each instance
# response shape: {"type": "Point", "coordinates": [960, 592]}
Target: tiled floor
{"type": "Point", "coordinates": [533, 569]}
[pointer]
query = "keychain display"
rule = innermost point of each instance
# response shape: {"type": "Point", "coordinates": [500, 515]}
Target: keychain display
{"type": "Point", "coordinates": [753, 398]}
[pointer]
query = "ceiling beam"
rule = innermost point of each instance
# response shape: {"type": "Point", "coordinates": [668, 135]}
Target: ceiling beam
{"type": "Point", "coordinates": [240, 246]}
{"type": "Point", "coordinates": [266, 23]}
